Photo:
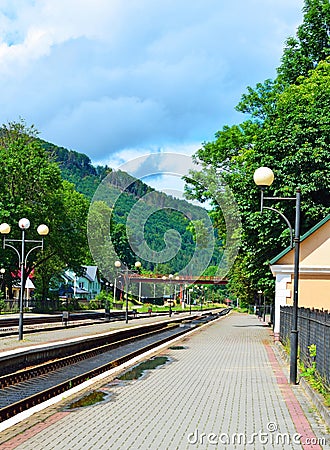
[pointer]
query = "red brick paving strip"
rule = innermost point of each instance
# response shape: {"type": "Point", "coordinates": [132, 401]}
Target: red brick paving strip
{"type": "Point", "coordinates": [21, 438]}
{"type": "Point", "coordinates": [298, 417]}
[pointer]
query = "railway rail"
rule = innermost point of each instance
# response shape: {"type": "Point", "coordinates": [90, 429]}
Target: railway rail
{"type": "Point", "coordinates": [9, 326]}
{"type": "Point", "coordinates": [36, 375]}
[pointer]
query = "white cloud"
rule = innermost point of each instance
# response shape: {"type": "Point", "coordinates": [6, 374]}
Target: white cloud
{"type": "Point", "coordinates": [133, 158]}
{"type": "Point", "coordinates": [161, 169]}
{"type": "Point", "coordinates": [104, 76]}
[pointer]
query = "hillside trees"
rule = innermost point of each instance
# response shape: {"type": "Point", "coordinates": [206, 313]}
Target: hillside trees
{"type": "Point", "coordinates": [32, 187]}
{"type": "Point", "coordinates": [288, 130]}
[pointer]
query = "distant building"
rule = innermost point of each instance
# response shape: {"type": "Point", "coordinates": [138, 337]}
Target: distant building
{"type": "Point", "coordinates": [314, 272]}
{"type": "Point", "coordinates": [28, 292]}
{"type": "Point", "coordinates": [85, 286]}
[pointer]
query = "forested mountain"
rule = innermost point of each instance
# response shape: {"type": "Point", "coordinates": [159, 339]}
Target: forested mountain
{"type": "Point", "coordinates": [77, 168]}
{"type": "Point", "coordinates": [122, 193]}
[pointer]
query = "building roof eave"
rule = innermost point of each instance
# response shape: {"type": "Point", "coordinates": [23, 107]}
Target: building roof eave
{"type": "Point", "coordinates": [288, 269]}
{"type": "Point", "coordinates": [302, 238]}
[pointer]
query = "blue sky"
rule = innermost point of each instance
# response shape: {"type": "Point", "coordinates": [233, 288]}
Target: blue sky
{"type": "Point", "coordinates": [117, 79]}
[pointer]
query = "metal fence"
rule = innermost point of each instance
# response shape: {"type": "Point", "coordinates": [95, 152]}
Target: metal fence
{"type": "Point", "coordinates": [313, 328]}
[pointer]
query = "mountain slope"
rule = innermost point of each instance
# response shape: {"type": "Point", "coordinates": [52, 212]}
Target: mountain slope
{"type": "Point", "coordinates": [158, 213]}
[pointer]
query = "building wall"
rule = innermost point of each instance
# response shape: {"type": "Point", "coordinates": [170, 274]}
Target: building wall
{"type": "Point", "coordinates": [282, 294]}
{"type": "Point", "coordinates": [314, 291]}
{"type": "Point", "coordinates": [314, 274]}
{"type": "Point", "coordinates": [314, 250]}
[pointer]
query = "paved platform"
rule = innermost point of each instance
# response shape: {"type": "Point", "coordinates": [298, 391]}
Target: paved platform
{"type": "Point", "coordinates": [225, 389]}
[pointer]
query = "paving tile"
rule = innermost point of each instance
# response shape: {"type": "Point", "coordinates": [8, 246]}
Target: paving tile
{"type": "Point", "coordinates": [223, 390]}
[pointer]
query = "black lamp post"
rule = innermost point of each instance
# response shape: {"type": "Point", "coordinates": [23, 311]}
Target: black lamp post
{"type": "Point", "coordinates": [170, 277]}
{"type": "Point", "coordinates": [3, 287]}
{"type": "Point", "coordinates": [126, 273]}
{"type": "Point", "coordinates": [263, 178]}
{"type": "Point", "coordinates": [106, 303]}
{"type": "Point", "coordinates": [259, 302]}
{"type": "Point", "coordinates": [190, 294]}
{"type": "Point", "coordinates": [264, 311]}
{"type": "Point", "coordinates": [24, 225]}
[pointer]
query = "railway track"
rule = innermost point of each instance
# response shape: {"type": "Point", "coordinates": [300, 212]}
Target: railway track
{"type": "Point", "coordinates": [28, 384]}
{"type": "Point", "coordinates": [13, 321]}
{"type": "Point", "coordinates": [9, 326]}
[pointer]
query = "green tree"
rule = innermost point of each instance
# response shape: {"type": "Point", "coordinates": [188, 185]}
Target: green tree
{"type": "Point", "coordinates": [32, 187]}
{"type": "Point", "coordinates": [288, 131]}
{"type": "Point", "coordinates": [311, 44]}
{"type": "Point", "coordinates": [301, 54]}
{"type": "Point", "coordinates": [201, 233]}
{"type": "Point", "coordinates": [295, 143]}
{"type": "Point", "coordinates": [99, 238]}
{"type": "Point", "coordinates": [66, 244]}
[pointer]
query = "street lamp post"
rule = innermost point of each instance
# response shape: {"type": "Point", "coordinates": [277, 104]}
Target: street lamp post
{"type": "Point", "coordinates": [107, 306]}
{"type": "Point", "coordinates": [170, 278]}
{"type": "Point", "coordinates": [140, 292]}
{"type": "Point", "coordinates": [164, 292]}
{"type": "Point", "coordinates": [115, 290]}
{"type": "Point", "coordinates": [190, 293]}
{"type": "Point", "coordinates": [259, 303]}
{"type": "Point", "coordinates": [264, 311]}
{"type": "Point", "coordinates": [24, 224]}
{"type": "Point", "coordinates": [263, 178]}
{"type": "Point", "coordinates": [2, 274]}
{"type": "Point", "coordinates": [185, 295]}
{"type": "Point", "coordinates": [126, 273]}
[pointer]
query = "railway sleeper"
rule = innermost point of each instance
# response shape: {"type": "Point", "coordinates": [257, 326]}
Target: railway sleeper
{"type": "Point", "coordinates": [32, 357]}
{"type": "Point", "coordinates": [44, 368]}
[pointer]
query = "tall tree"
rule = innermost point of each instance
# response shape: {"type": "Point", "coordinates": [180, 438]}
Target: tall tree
{"type": "Point", "coordinates": [289, 131]}
{"type": "Point", "coordinates": [32, 187]}
{"type": "Point", "coordinates": [311, 44]}
{"type": "Point", "coordinates": [301, 54]}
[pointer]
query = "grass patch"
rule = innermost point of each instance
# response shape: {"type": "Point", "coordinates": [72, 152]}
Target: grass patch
{"type": "Point", "coordinates": [88, 400]}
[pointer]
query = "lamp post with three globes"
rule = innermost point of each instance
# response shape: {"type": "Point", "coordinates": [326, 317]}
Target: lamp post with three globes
{"type": "Point", "coordinates": [24, 224]}
{"type": "Point", "coordinates": [125, 273]}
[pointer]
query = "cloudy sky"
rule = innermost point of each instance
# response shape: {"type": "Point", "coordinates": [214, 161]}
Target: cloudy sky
{"type": "Point", "coordinates": [117, 79]}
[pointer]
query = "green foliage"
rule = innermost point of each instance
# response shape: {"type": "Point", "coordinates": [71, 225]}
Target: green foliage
{"type": "Point", "coordinates": [94, 304]}
{"type": "Point", "coordinates": [119, 193]}
{"type": "Point", "coordinates": [33, 188]}
{"type": "Point", "coordinates": [311, 374]}
{"type": "Point", "coordinates": [200, 232]}
{"type": "Point", "coordinates": [311, 44]}
{"type": "Point", "coordinates": [310, 371]}
{"type": "Point", "coordinates": [31, 179]}
{"type": "Point", "coordinates": [98, 226]}
{"type": "Point", "coordinates": [2, 304]}
{"type": "Point", "coordinates": [289, 131]}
